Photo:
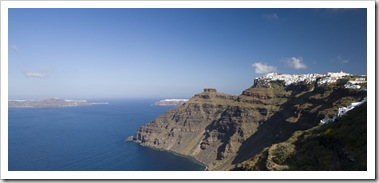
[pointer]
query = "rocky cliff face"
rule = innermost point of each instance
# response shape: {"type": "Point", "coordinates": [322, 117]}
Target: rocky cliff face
{"type": "Point", "coordinates": [341, 145]}
{"type": "Point", "coordinates": [184, 128]}
{"type": "Point", "coordinates": [222, 130]}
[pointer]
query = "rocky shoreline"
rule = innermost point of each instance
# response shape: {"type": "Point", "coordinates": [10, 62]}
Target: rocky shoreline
{"type": "Point", "coordinates": [175, 153]}
{"type": "Point", "coordinates": [134, 140]}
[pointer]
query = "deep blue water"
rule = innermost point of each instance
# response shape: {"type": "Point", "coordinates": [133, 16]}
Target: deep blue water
{"type": "Point", "coordinates": [88, 138]}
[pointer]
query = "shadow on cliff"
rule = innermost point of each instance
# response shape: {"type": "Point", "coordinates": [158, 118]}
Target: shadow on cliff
{"type": "Point", "coordinates": [222, 131]}
{"type": "Point", "coordinates": [276, 129]}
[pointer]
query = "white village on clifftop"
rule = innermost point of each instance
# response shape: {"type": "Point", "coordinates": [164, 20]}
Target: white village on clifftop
{"type": "Point", "coordinates": [323, 79]}
{"type": "Point", "coordinates": [330, 77]}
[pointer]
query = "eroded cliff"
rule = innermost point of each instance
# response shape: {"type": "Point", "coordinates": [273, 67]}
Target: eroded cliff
{"type": "Point", "coordinates": [222, 130]}
{"type": "Point", "coordinates": [341, 145]}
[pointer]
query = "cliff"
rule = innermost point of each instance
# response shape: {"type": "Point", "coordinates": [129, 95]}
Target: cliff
{"type": "Point", "coordinates": [223, 131]}
{"type": "Point", "coordinates": [341, 145]}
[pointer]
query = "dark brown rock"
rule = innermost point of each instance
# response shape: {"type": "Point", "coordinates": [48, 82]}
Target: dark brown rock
{"type": "Point", "coordinates": [210, 90]}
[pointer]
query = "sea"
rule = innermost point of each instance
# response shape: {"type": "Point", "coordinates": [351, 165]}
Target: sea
{"type": "Point", "coordinates": [88, 138]}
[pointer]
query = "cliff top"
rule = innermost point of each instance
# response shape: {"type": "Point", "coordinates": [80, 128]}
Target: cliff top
{"type": "Point", "coordinates": [211, 95]}
{"type": "Point", "coordinates": [210, 90]}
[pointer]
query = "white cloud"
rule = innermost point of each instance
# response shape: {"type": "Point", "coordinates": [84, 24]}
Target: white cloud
{"type": "Point", "coordinates": [35, 74]}
{"type": "Point", "coordinates": [271, 16]}
{"type": "Point", "coordinates": [13, 47]}
{"type": "Point", "coordinates": [296, 63]}
{"type": "Point", "coordinates": [263, 68]}
{"type": "Point", "coordinates": [342, 61]}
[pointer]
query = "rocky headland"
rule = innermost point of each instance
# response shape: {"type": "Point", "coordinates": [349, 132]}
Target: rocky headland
{"type": "Point", "coordinates": [225, 132]}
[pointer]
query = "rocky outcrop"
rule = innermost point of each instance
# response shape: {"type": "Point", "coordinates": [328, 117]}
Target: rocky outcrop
{"type": "Point", "coordinates": [222, 130]}
{"type": "Point", "coordinates": [210, 90]}
{"type": "Point", "coordinates": [129, 139]}
{"type": "Point", "coordinates": [183, 129]}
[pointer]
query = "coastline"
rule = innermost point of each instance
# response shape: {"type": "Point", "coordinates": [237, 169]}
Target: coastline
{"type": "Point", "coordinates": [176, 154]}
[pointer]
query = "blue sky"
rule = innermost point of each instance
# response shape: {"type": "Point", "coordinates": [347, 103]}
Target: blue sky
{"type": "Point", "coordinates": [174, 53]}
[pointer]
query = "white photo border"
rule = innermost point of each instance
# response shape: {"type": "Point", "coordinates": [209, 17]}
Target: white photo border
{"type": "Point", "coordinates": [369, 174]}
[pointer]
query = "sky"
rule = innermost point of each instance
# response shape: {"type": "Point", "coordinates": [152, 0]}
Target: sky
{"type": "Point", "coordinates": [174, 53]}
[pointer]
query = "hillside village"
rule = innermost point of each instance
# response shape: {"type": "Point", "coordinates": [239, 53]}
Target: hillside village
{"type": "Point", "coordinates": [352, 82]}
{"type": "Point", "coordinates": [322, 79]}
{"type": "Point", "coordinates": [343, 111]}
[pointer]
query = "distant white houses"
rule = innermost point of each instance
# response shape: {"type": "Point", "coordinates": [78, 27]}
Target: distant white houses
{"type": "Point", "coordinates": [355, 84]}
{"type": "Point", "coordinates": [291, 78]}
{"type": "Point", "coordinates": [338, 74]}
{"type": "Point", "coordinates": [175, 100]}
{"type": "Point", "coordinates": [343, 110]}
{"type": "Point", "coordinates": [352, 86]}
{"type": "Point", "coordinates": [330, 77]}
{"type": "Point", "coordinates": [170, 102]}
{"type": "Point", "coordinates": [361, 79]}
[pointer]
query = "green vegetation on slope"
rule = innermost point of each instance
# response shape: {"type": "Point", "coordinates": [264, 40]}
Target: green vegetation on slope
{"type": "Point", "coordinates": [341, 145]}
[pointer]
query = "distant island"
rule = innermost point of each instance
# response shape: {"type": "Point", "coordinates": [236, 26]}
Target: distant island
{"type": "Point", "coordinates": [170, 102]}
{"type": "Point", "coordinates": [49, 103]}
